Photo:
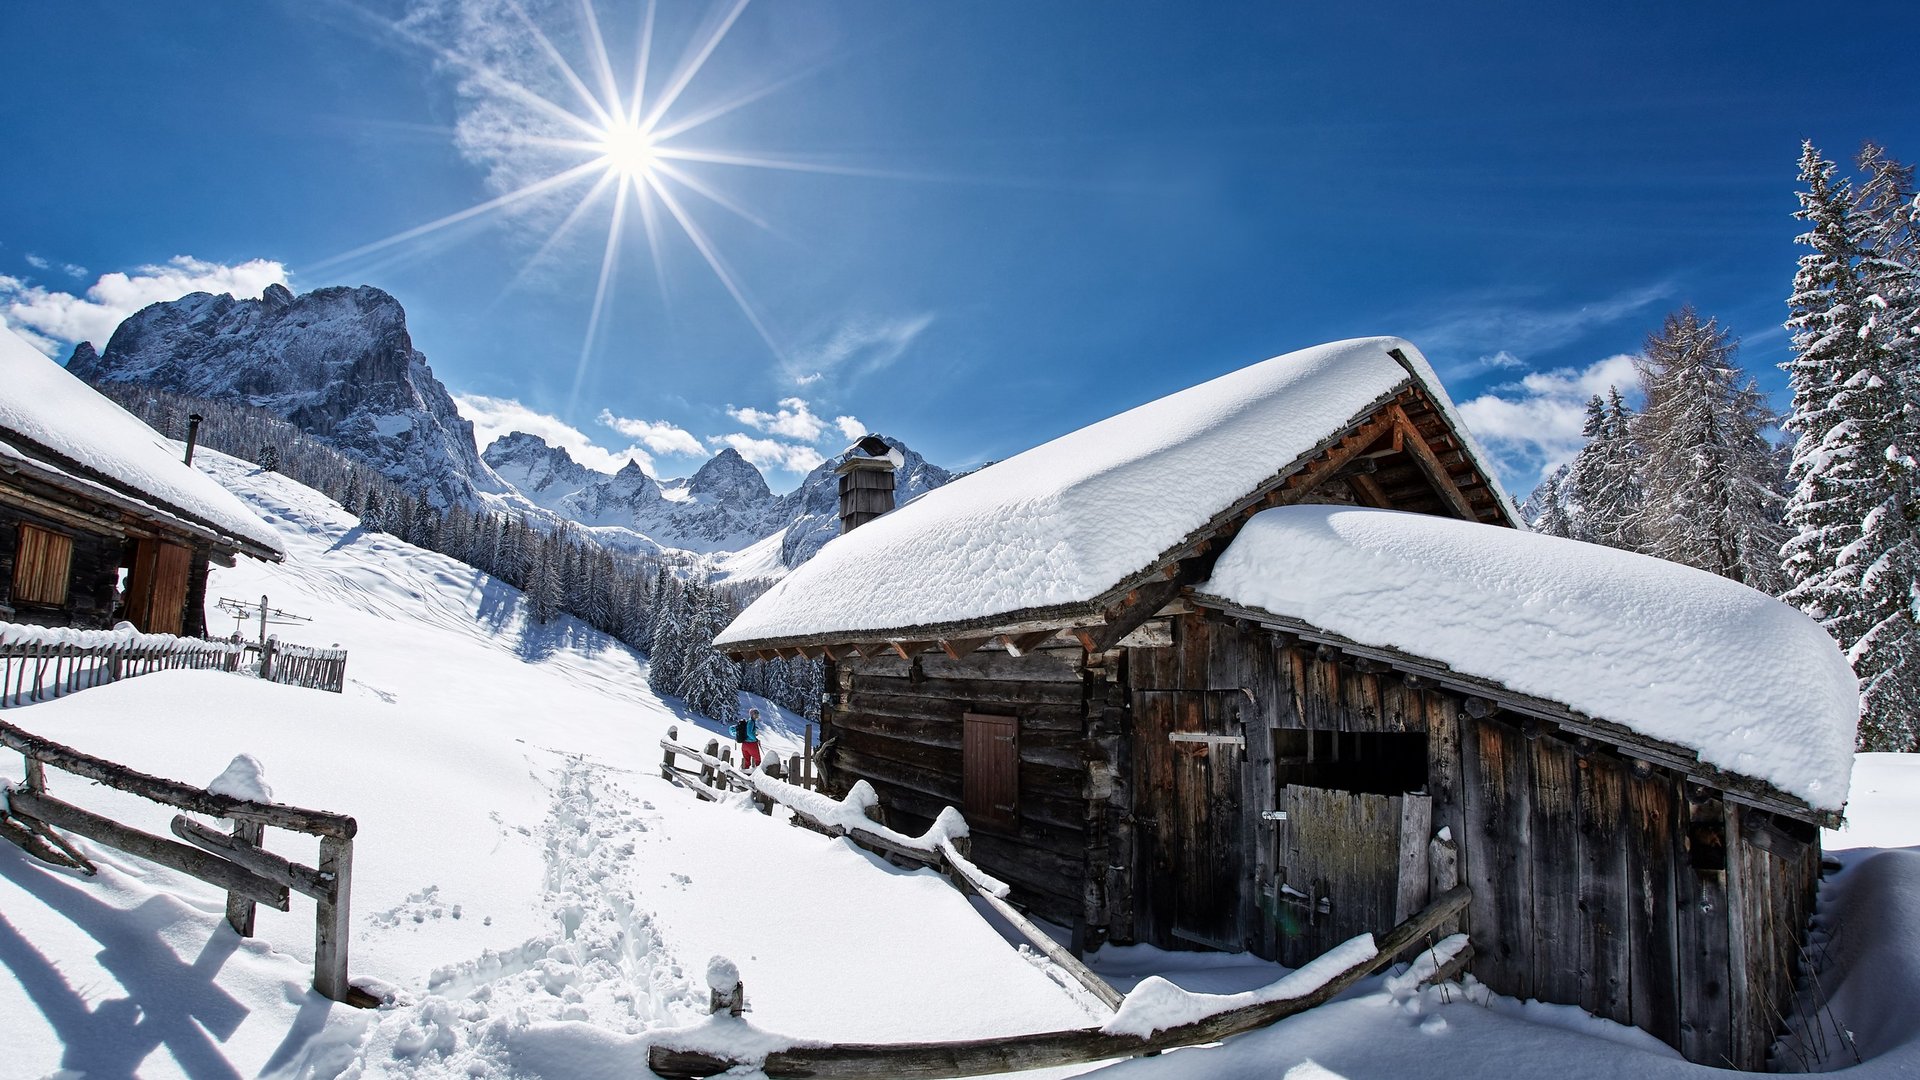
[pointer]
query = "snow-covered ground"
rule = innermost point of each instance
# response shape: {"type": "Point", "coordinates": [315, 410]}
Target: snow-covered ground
{"type": "Point", "coordinates": [541, 903]}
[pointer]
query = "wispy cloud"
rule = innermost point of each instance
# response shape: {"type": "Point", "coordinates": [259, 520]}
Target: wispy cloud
{"type": "Point", "coordinates": [37, 262]}
{"type": "Point", "coordinates": [856, 348]}
{"type": "Point", "coordinates": [660, 436]}
{"type": "Point", "coordinates": [494, 417]}
{"type": "Point", "coordinates": [1533, 426]}
{"type": "Point", "coordinates": [50, 318]}
{"type": "Point", "coordinates": [1504, 333]}
{"type": "Point", "coordinates": [770, 453]}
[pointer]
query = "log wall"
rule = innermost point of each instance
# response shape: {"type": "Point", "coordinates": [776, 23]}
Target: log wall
{"type": "Point", "coordinates": [91, 576]}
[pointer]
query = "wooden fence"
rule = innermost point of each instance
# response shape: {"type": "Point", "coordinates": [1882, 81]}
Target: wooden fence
{"type": "Point", "coordinates": [36, 670]}
{"type": "Point", "coordinates": [235, 860]}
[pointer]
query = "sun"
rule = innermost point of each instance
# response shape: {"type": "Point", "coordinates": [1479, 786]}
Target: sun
{"type": "Point", "coordinates": [627, 151]}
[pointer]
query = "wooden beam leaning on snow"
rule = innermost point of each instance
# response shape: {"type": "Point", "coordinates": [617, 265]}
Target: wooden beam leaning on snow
{"type": "Point", "coordinates": [1014, 1053]}
{"type": "Point", "coordinates": [941, 847]}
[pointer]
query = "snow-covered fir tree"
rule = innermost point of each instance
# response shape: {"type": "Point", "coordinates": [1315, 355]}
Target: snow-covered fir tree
{"type": "Point", "coordinates": [710, 682]}
{"type": "Point", "coordinates": [1604, 481]}
{"type": "Point", "coordinates": [1850, 561]}
{"type": "Point", "coordinates": [1708, 471]}
{"type": "Point", "coordinates": [667, 650]}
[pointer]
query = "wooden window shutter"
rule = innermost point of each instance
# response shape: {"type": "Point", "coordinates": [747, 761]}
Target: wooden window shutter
{"type": "Point", "coordinates": [157, 587]}
{"type": "Point", "coordinates": [990, 769]}
{"type": "Point", "coordinates": [42, 566]}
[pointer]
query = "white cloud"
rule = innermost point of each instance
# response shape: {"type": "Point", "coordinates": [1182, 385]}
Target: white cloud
{"type": "Point", "coordinates": [1502, 359]}
{"type": "Point", "coordinates": [37, 262]}
{"type": "Point", "coordinates": [660, 436]}
{"type": "Point", "coordinates": [794, 420]}
{"type": "Point", "coordinates": [74, 270]}
{"type": "Point", "coordinates": [1491, 327]}
{"type": "Point", "coordinates": [494, 417]}
{"type": "Point", "coordinates": [849, 427]}
{"type": "Point", "coordinates": [855, 348]}
{"type": "Point", "coordinates": [1533, 426]}
{"type": "Point", "coordinates": [50, 317]}
{"type": "Point", "coordinates": [770, 453]}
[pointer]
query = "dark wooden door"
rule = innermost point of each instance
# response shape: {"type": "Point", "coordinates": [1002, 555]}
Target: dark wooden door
{"type": "Point", "coordinates": [990, 770]}
{"type": "Point", "coordinates": [1348, 863]}
{"type": "Point", "coordinates": [1190, 754]}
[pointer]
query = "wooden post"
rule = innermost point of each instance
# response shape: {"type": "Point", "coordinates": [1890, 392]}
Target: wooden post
{"type": "Point", "coordinates": [666, 764]}
{"type": "Point", "coordinates": [246, 835]}
{"type": "Point", "coordinates": [330, 932]}
{"type": "Point", "coordinates": [806, 776]}
{"type": "Point", "coordinates": [267, 648]}
{"type": "Point", "coordinates": [707, 772]}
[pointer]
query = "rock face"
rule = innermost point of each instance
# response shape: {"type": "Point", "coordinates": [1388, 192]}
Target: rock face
{"type": "Point", "coordinates": [546, 475]}
{"type": "Point", "coordinates": [336, 362]}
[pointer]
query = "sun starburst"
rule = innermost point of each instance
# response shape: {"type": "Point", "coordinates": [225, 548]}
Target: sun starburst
{"type": "Point", "coordinates": [609, 137]}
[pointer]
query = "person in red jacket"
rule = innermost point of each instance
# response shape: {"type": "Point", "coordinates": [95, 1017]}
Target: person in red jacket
{"type": "Point", "coordinates": [748, 732]}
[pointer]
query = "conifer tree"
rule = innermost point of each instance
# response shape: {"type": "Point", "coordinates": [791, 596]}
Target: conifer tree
{"type": "Point", "coordinates": [1708, 469]}
{"type": "Point", "coordinates": [270, 457]}
{"type": "Point", "coordinates": [1851, 561]}
{"type": "Point", "coordinates": [1605, 477]}
{"type": "Point", "coordinates": [1553, 520]}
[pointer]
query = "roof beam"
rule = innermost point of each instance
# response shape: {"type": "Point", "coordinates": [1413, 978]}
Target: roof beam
{"type": "Point", "coordinates": [1416, 446]}
{"type": "Point", "coordinates": [958, 648]}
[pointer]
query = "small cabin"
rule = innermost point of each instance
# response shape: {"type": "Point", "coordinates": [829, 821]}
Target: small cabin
{"type": "Point", "coordinates": [100, 519]}
{"type": "Point", "coordinates": [1265, 664]}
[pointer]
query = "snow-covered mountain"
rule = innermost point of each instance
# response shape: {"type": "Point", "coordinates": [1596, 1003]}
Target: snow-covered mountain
{"type": "Point", "coordinates": [337, 362]}
{"type": "Point", "coordinates": [724, 507]}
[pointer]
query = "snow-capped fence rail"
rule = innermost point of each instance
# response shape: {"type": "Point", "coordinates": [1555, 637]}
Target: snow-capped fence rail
{"type": "Point", "coordinates": [42, 662]}
{"type": "Point", "coordinates": [943, 846]}
{"type": "Point", "coordinates": [1157, 1016]}
{"type": "Point", "coordinates": [234, 861]}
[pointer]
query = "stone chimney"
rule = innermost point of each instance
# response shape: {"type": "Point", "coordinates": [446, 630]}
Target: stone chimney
{"type": "Point", "coordinates": [866, 481]}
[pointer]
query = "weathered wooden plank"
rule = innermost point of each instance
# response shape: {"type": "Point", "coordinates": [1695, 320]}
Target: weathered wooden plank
{"type": "Point", "coordinates": [1554, 854]}
{"type": "Point", "coordinates": [937, 1061]}
{"type": "Point", "coordinates": [1498, 854]}
{"type": "Point", "coordinates": [1602, 885]}
{"type": "Point", "coordinates": [1039, 665]}
{"type": "Point", "coordinates": [1416, 826]}
{"type": "Point", "coordinates": [206, 866]}
{"type": "Point", "coordinates": [172, 792]}
{"type": "Point", "coordinates": [300, 879]}
{"type": "Point", "coordinates": [1706, 1013]}
{"type": "Point", "coordinates": [1652, 919]}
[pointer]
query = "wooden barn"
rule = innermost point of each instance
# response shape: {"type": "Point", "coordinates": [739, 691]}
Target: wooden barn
{"type": "Point", "coordinates": [1264, 664]}
{"type": "Point", "coordinates": [100, 520]}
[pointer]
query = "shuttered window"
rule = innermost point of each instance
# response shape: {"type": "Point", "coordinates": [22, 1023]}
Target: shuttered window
{"type": "Point", "coordinates": [990, 769]}
{"type": "Point", "coordinates": [41, 566]}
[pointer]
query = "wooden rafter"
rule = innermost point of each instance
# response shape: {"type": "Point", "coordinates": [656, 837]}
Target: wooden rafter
{"type": "Point", "coordinates": [1416, 446]}
{"type": "Point", "coordinates": [958, 648]}
{"type": "Point", "coordinates": [1021, 644]}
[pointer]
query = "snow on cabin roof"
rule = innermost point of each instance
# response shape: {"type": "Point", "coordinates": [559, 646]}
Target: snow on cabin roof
{"type": "Point", "coordinates": [43, 405]}
{"type": "Point", "coordinates": [1668, 651]}
{"type": "Point", "coordinates": [1070, 519]}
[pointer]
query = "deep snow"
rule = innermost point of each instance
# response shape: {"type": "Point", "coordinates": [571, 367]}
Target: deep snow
{"type": "Point", "coordinates": [541, 902]}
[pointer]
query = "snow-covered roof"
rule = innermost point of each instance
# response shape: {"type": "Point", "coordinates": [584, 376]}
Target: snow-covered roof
{"type": "Point", "coordinates": [1068, 520]}
{"type": "Point", "coordinates": [45, 407]}
{"type": "Point", "coordinates": [1668, 651]}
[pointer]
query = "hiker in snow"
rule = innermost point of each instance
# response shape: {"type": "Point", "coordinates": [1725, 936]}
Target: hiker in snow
{"type": "Point", "coordinates": [747, 732]}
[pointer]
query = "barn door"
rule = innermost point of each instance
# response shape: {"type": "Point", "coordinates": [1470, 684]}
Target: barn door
{"type": "Point", "coordinates": [157, 586]}
{"type": "Point", "coordinates": [1190, 752]}
{"type": "Point", "coordinates": [990, 769]}
{"type": "Point", "coordinates": [1348, 863]}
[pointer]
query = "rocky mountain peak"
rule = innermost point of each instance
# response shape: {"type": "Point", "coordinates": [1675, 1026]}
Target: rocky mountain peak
{"type": "Point", "coordinates": [728, 476]}
{"type": "Point", "coordinates": [337, 362]}
{"type": "Point", "coordinates": [84, 356]}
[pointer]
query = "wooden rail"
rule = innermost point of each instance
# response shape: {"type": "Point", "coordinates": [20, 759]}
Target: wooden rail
{"type": "Point", "coordinates": [33, 670]}
{"type": "Point", "coordinates": [233, 861]}
{"type": "Point", "coordinates": [1052, 1049]}
{"type": "Point", "coordinates": [944, 852]}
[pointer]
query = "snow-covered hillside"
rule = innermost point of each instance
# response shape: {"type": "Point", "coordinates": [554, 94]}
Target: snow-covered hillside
{"type": "Point", "coordinates": [541, 903]}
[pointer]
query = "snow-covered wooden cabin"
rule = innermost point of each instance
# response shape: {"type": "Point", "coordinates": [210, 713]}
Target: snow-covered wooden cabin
{"type": "Point", "coordinates": [87, 491]}
{"type": "Point", "coordinates": [1263, 664]}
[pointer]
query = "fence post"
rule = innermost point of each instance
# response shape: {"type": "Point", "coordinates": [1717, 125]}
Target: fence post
{"type": "Point", "coordinates": [330, 931]}
{"type": "Point", "coordinates": [666, 764]}
{"type": "Point", "coordinates": [806, 777]}
{"type": "Point", "coordinates": [267, 649]}
{"type": "Point", "coordinates": [246, 834]}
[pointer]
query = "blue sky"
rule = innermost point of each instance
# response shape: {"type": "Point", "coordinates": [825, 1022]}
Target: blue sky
{"type": "Point", "coordinates": [991, 222]}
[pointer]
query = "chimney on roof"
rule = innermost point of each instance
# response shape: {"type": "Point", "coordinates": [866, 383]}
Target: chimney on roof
{"type": "Point", "coordinates": [866, 481]}
{"type": "Point", "coordinates": [193, 435]}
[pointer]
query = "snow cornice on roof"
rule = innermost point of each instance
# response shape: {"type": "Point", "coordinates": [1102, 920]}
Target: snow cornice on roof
{"type": "Point", "coordinates": [1064, 533]}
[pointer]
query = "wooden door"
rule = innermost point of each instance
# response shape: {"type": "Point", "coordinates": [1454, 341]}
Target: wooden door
{"type": "Point", "coordinates": [990, 770]}
{"type": "Point", "coordinates": [157, 586]}
{"type": "Point", "coordinates": [1191, 873]}
{"type": "Point", "coordinates": [1347, 863]}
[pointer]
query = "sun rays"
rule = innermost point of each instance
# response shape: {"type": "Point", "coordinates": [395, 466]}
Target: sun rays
{"type": "Point", "coordinates": [608, 143]}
